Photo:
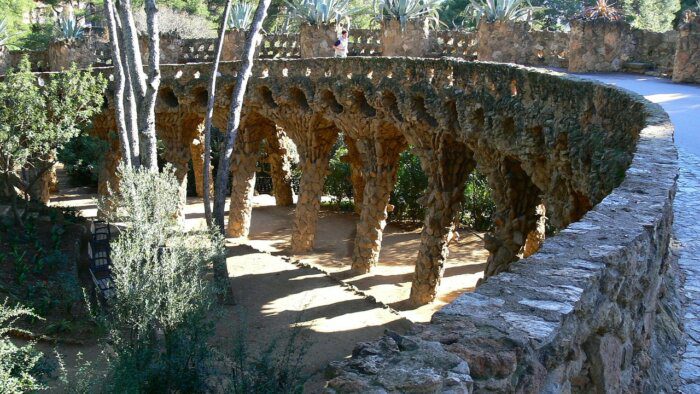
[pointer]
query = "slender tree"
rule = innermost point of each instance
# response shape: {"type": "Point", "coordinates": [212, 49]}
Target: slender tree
{"type": "Point", "coordinates": [234, 118]}
{"type": "Point", "coordinates": [210, 113]}
{"type": "Point", "coordinates": [135, 90]}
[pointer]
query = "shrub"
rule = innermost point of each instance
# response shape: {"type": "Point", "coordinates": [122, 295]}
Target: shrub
{"type": "Point", "coordinates": [411, 183]}
{"type": "Point", "coordinates": [20, 366]}
{"type": "Point", "coordinates": [338, 182]}
{"type": "Point", "coordinates": [82, 157]}
{"type": "Point", "coordinates": [601, 10]}
{"type": "Point", "coordinates": [177, 23]}
{"type": "Point", "coordinates": [160, 316]}
{"type": "Point", "coordinates": [478, 205]}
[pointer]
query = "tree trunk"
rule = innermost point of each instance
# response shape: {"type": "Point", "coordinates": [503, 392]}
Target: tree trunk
{"type": "Point", "coordinates": [210, 114]}
{"type": "Point", "coordinates": [234, 119]}
{"type": "Point", "coordinates": [135, 91]}
{"type": "Point", "coordinates": [119, 78]}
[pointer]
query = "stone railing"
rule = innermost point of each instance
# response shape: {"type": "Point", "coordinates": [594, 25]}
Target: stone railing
{"type": "Point", "coordinates": [591, 46]}
{"type": "Point", "coordinates": [279, 46]}
{"type": "Point", "coordinates": [614, 46]}
{"type": "Point", "coordinates": [454, 43]}
{"type": "Point", "coordinates": [365, 43]}
{"type": "Point", "coordinates": [578, 315]}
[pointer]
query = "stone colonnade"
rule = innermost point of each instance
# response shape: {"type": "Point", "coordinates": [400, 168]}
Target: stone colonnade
{"type": "Point", "coordinates": [454, 115]}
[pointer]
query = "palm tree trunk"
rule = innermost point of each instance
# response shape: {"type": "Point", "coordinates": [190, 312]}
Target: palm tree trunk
{"type": "Point", "coordinates": [210, 114]}
{"type": "Point", "coordinates": [234, 120]}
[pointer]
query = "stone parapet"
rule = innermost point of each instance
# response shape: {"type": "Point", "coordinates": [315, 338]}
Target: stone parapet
{"type": "Point", "coordinates": [516, 42]}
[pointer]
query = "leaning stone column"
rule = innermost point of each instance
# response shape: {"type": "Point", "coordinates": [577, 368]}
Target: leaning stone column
{"type": "Point", "coordinates": [107, 179]}
{"type": "Point", "coordinates": [535, 238]}
{"type": "Point", "coordinates": [280, 167]}
{"type": "Point", "coordinates": [447, 173]}
{"type": "Point", "coordinates": [197, 153]}
{"type": "Point", "coordinates": [313, 174]}
{"type": "Point", "coordinates": [177, 153]}
{"type": "Point", "coordinates": [354, 159]}
{"type": "Point", "coordinates": [382, 163]}
{"type": "Point", "coordinates": [245, 157]}
{"type": "Point", "coordinates": [517, 201]}
{"type": "Point", "coordinates": [314, 146]}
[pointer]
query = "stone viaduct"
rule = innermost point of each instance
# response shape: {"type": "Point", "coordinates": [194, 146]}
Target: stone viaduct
{"type": "Point", "coordinates": [542, 141]}
{"type": "Point", "coordinates": [580, 313]}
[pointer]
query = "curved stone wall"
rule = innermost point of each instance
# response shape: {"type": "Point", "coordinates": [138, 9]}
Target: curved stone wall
{"type": "Point", "coordinates": [578, 312]}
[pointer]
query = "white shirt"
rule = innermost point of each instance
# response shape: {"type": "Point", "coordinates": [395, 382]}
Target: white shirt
{"type": "Point", "coordinates": [342, 49]}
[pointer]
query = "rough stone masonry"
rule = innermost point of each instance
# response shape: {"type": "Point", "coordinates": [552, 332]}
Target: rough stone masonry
{"type": "Point", "coordinates": [578, 313]}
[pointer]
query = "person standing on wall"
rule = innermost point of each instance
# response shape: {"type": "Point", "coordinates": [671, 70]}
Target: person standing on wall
{"type": "Point", "coordinates": [341, 46]}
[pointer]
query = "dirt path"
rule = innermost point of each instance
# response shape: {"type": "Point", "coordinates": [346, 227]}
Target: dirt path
{"type": "Point", "coordinates": [274, 292]}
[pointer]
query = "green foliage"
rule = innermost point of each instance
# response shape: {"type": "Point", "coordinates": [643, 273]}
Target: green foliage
{"type": "Point", "coordinates": [411, 183]}
{"type": "Point", "coordinates": [411, 186]}
{"type": "Point", "coordinates": [68, 28]}
{"type": "Point", "coordinates": [338, 179]}
{"type": "Point", "coordinates": [405, 10]}
{"type": "Point", "coordinates": [276, 370]}
{"type": "Point", "coordinates": [478, 205]}
{"type": "Point", "coordinates": [503, 10]}
{"type": "Point", "coordinates": [20, 367]}
{"type": "Point", "coordinates": [655, 15]}
{"type": "Point", "coordinates": [178, 23]}
{"type": "Point", "coordinates": [82, 157]}
{"type": "Point", "coordinates": [13, 12]}
{"type": "Point", "coordinates": [160, 317]}
{"type": "Point", "coordinates": [601, 10]}
{"type": "Point", "coordinates": [4, 33]}
{"type": "Point", "coordinates": [318, 12]}
{"type": "Point", "coordinates": [37, 120]}
{"type": "Point", "coordinates": [241, 15]}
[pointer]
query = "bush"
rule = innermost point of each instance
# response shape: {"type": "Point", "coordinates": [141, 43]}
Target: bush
{"type": "Point", "coordinates": [20, 366]}
{"type": "Point", "coordinates": [411, 183]}
{"type": "Point", "coordinates": [177, 23]}
{"type": "Point", "coordinates": [160, 316]}
{"type": "Point", "coordinates": [478, 205]}
{"type": "Point", "coordinates": [338, 182]}
{"type": "Point", "coordinates": [82, 157]}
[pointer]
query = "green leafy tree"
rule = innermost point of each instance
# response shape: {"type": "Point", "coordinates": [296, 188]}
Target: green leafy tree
{"type": "Point", "coordinates": [655, 15]}
{"type": "Point", "coordinates": [13, 12]}
{"type": "Point", "coordinates": [37, 120]}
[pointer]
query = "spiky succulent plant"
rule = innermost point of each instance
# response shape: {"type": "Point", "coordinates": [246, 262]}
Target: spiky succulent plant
{"type": "Point", "coordinates": [317, 12]}
{"type": "Point", "coordinates": [405, 10]}
{"type": "Point", "coordinates": [503, 10]}
{"type": "Point", "coordinates": [241, 15]}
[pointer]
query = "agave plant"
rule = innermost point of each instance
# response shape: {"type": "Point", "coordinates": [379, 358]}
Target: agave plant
{"type": "Point", "coordinates": [4, 33]}
{"type": "Point", "coordinates": [503, 10]}
{"type": "Point", "coordinates": [405, 10]}
{"type": "Point", "coordinates": [602, 10]}
{"type": "Point", "coordinates": [69, 28]}
{"type": "Point", "coordinates": [317, 12]}
{"type": "Point", "coordinates": [241, 15]}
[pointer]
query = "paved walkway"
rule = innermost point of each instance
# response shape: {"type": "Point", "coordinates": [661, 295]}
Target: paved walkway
{"type": "Point", "coordinates": [682, 102]}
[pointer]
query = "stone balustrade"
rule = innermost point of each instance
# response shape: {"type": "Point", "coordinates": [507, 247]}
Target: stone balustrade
{"type": "Point", "coordinates": [591, 46]}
